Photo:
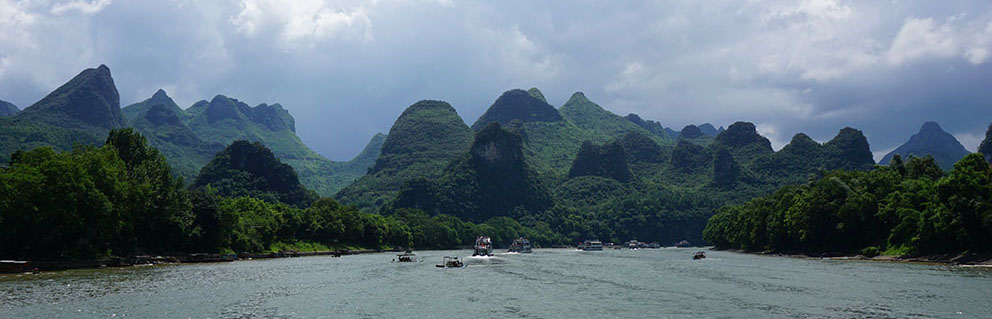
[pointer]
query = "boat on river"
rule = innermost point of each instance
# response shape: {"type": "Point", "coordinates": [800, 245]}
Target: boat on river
{"type": "Point", "coordinates": [483, 246]}
{"type": "Point", "coordinates": [451, 262]}
{"type": "Point", "coordinates": [406, 257]}
{"type": "Point", "coordinates": [698, 255]}
{"type": "Point", "coordinates": [520, 245]}
{"type": "Point", "coordinates": [591, 245]}
{"type": "Point", "coordinates": [683, 243]}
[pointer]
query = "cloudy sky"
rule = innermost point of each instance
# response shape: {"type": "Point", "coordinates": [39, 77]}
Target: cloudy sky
{"type": "Point", "coordinates": [345, 70]}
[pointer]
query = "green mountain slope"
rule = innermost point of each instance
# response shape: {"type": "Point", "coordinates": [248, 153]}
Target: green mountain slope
{"type": "Point", "coordinates": [590, 116]}
{"type": "Point", "coordinates": [934, 141]}
{"type": "Point", "coordinates": [518, 105]}
{"type": "Point", "coordinates": [83, 110]}
{"type": "Point", "coordinates": [422, 141]}
{"type": "Point", "coordinates": [160, 121]}
{"type": "Point", "coordinates": [491, 180]}
{"type": "Point", "coordinates": [88, 100]}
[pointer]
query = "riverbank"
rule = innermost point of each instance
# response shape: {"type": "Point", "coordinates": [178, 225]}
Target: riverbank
{"type": "Point", "coordinates": [58, 265]}
{"type": "Point", "coordinates": [961, 259]}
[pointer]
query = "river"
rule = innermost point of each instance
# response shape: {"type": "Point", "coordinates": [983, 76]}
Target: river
{"type": "Point", "coordinates": [549, 283]}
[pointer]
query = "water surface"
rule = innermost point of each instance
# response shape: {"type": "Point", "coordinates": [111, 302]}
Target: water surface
{"type": "Point", "coordinates": [550, 283]}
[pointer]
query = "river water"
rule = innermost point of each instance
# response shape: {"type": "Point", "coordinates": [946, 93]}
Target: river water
{"type": "Point", "coordinates": [549, 283]}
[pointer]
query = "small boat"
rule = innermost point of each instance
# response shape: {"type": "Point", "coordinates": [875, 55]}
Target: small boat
{"type": "Point", "coordinates": [483, 246]}
{"type": "Point", "coordinates": [683, 243]}
{"type": "Point", "coordinates": [698, 255]}
{"type": "Point", "coordinates": [406, 257]}
{"type": "Point", "coordinates": [632, 244]}
{"type": "Point", "coordinates": [591, 245]}
{"type": "Point", "coordinates": [451, 262]}
{"type": "Point", "coordinates": [520, 245]}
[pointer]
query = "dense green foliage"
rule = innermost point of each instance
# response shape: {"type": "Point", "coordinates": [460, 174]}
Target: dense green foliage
{"type": "Point", "coordinates": [904, 208]}
{"type": "Point", "coordinates": [930, 140]}
{"type": "Point", "coordinates": [608, 160]}
{"type": "Point", "coordinates": [492, 180]}
{"type": "Point", "coordinates": [250, 169]}
{"type": "Point", "coordinates": [518, 105]}
{"type": "Point", "coordinates": [422, 141]}
{"type": "Point", "coordinates": [120, 198]}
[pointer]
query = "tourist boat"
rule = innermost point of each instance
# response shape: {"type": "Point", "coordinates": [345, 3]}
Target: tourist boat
{"type": "Point", "coordinates": [591, 245]}
{"type": "Point", "coordinates": [632, 244]}
{"type": "Point", "coordinates": [406, 257]}
{"type": "Point", "coordinates": [683, 243]}
{"type": "Point", "coordinates": [520, 245]}
{"type": "Point", "coordinates": [483, 246]}
{"type": "Point", "coordinates": [14, 266]}
{"type": "Point", "coordinates": [698, 255]}
{"type": "Point", "coordinates": [451, 262]}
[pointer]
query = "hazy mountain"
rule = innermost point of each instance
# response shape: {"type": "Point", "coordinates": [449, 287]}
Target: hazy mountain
{"type": "Point", "coordinates": [930, 140]}
{"type": "Point", "coordinates": [422, 141]}
{"type": "Point", "coordinates": [7, 108]}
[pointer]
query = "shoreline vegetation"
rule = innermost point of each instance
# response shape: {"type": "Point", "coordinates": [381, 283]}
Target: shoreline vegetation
{"type": "Point", "coordinates": [910, 209]}
{"type": "Point", "coordinates": [961, 259]}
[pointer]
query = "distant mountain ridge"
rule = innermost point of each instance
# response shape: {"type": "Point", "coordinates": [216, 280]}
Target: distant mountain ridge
{"type": "Point", "coordinates": [84, 109]}
{"type": "Point", "coordinates": [7, 108]}
{"type": "Point", "coordinates": [930, 140]}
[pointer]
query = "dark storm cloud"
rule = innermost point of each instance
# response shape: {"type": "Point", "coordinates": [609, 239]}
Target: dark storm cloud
{"type": "Point", "coordinates": [346, 70]}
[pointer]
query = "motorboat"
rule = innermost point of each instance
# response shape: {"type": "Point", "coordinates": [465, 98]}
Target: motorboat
{"type": "Point", "coordinates": [683, 243]}
{"type": "Point", "coordinates": [591, 245]}
{"type": "Point", "coordinates": [451, 262]}
{"type": "Point", "coordinates": [632, 244]}
{"type": "Point", "coordinates": [698, 255]}
{"type": "Point", "coordinates": [483, 246]}
{"type": "Point", "coordinates": [520, 245]}
{"type": "Point", "coordinates": [406, 257]}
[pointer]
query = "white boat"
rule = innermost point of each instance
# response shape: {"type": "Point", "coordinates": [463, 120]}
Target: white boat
{"type": "Point", "coordinates": [406, 257]}
{"type": "Point", "coordinates": [451, 262]}
{"type": "Point", "coordinates": [483, 246]}
{"type": "Point", "coordinates": [591, 245]}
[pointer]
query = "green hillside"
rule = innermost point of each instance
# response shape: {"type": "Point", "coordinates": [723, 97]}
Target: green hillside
{"type": "Point", "coordinates": [81, 111]}
{"type": "Point", "coordinates": [422, 141]}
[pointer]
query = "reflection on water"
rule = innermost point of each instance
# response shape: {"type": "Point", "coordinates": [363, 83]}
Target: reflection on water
{"type": "Point", "coordinates": [552, 283]}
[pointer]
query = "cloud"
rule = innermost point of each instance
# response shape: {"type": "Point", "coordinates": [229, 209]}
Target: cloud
{"type": "Point", "coordinates": [82, 6]}
{"type": "Point", "coordinates": [303, 22]}
{"type": "Point", "coordinates": [346, 69]}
